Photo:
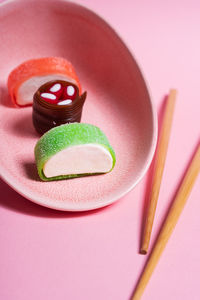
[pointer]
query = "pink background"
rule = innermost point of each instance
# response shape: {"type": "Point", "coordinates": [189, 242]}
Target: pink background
{"type": "Point", "coordinates": [47, 254]}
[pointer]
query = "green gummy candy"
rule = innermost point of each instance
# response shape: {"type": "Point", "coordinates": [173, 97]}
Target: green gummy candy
{"type": "Point", "coordinates": [64, 136]}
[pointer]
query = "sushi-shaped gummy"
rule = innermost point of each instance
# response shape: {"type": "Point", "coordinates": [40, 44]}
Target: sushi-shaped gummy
{"type": "Point", "coordinates": [26, 78]}
{"type": "Point", "coordinates": [73, 150]}
{"type": "Point", "coordinates": [54, 104]}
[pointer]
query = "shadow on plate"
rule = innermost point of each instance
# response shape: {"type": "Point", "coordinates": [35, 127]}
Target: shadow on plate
{"type": "Point", "coordinates": [4, 97]}
{"type": "Point", "coordinates": [17, 203]}
{"type": "Point", "coordinates": [31, 171]}
{"type": "Point", "coordinates": [24, 127]}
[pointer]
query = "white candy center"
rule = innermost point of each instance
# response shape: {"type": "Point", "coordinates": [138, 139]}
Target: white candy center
{"type": "Point", "coordinates": [48, 96]}
{"type": "Point", "coordinates": [55, 88]}
{"type": "Point", "coordinates": [80, 159]}
{"type": "Point", "coordinates": [30, 86]}
{"type": "Point", "coordinates": [65, 102]}
{"type": "Point", "coordinates": [70, 90]}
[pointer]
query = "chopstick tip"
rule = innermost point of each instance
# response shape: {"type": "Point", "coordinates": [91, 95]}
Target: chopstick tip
{"type": "Point", "coordinates": [173, 91]}
{"type": "Point", "coordinates": [143, 251]}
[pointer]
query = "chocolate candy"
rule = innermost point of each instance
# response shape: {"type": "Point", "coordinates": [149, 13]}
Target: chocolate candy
{"type": "Point", "coordinates": [55, 103]}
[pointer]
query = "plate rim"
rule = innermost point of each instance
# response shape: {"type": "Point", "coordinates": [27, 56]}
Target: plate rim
{"type": "Point", "coordinates": [92, 206]}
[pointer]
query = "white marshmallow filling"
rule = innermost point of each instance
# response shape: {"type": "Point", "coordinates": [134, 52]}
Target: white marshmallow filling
{"type": "Point", "coordinates": [65, 102]}
{"type": "Point", "coordinates": [48, 96]}
{"type": "Point", "coordinates": [70, 90]}
{"type": "Point", "coordinates": [55, 88]}
{"type": "Point", "coordinates": [29, 87]}
{"type": "Point", "coordinates": [80, 159]}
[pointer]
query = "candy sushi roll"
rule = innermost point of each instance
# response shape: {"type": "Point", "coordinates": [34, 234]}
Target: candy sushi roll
{"type": "Point", "coordinates": [55, 103]}
{"type": "Point", "coordinates": [25, 79]}
{"type": "Point", "coordinates": [73, 150]}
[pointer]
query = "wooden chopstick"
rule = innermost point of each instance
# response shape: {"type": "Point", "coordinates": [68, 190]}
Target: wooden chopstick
{"type": "Point", "coordinates": [158, 169]}
{"type": "Point", "coordinates": [169, 224]}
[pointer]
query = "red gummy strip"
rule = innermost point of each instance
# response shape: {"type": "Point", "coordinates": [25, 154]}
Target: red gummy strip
{"type": "Point", "coordinates": [58, 94]}
{"type": "Point", "coordinates": [69, 92]}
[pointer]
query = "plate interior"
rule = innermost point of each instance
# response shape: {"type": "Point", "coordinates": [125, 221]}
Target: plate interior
{"type": "Point", "coordinates": [117, 102]}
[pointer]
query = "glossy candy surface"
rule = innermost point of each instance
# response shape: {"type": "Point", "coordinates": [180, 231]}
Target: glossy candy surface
{"type": "Point", "coordinates": [55, 103]}
{"type": "Point", "coordinates": [60, 94]}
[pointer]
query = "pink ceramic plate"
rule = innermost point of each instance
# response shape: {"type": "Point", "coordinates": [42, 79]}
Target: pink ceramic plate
{"type": "Point", "coordinates": [118, 101]}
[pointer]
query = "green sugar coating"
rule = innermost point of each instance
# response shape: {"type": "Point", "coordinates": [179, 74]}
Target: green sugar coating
{"type": "Point", "coordinates": [64, 136]}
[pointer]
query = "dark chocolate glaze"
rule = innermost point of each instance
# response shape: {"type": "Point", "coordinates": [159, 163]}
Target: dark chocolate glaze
{"type": "Point", "coordinates": [46, 115]}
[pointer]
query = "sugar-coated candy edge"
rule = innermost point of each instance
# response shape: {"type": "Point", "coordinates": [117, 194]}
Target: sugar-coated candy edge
{"type": "Point", "coordinates": [64, 136]}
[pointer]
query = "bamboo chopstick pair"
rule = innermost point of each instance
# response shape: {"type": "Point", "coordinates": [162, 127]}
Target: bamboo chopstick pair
{"type": "Point", "coordinates": [178, 203]}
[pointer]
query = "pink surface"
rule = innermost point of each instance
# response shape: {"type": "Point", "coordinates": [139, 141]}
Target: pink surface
{"type": "Point", "coordinates": [56, 255]}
